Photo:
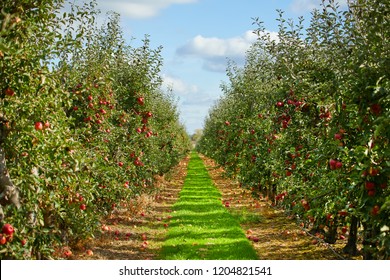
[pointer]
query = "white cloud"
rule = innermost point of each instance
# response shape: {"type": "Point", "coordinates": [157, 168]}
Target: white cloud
{"type": "Point", "coordinates": [178, 86]}
{"type": "Point", "coordinates": [215, 51]}
{"type": "Point", "coordinates": [302, 6]}
{"type": "Point", "coordinates": [217, 47]}
{"type": "Point", "coordinates": [139, 9]}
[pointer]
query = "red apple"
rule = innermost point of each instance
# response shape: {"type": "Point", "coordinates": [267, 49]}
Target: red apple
{"type": "Point", "coordinates": [140, 101]}
{"type": "Point", "coordinates": [375, 210]}
{"type": "Point", "coordinates": [332, 164]}
{"type": "Point", "coordinates": [3, 239]}
{"type": "Point", "coordinates": [343, 213]}
{"type": "Point", "coordinates": [338, 136]}
{"type": "Point", "coordinates": [370, 186]}
{"type": "Point", "coordinates": [279, 104]}
{"type": "Point", "coordinates": [373, 171]}
{"type": "Point", "coordinates": [255, 239]}
{"type": "Point", "coordinates": [376, 109]}
{"type": "Point", "coordinates": [344, 229]}
{"type": "Point", "coordinates": [8, 229]}
{"type": "Point", "coordinates": [120, 164]}
{"type": "Point", "coordinates": [293, 166]}
{"type": "Point", "coordinates": [47, 124]}
{"type": "Point", "coordinates": [67, 253]}
{"type": "Point", "coordinates": [89, 252]}
{"type": "Point", "coordinates": [38, 125]}
{"type": "Point", "coordinates": [371, 193]}
{"type": "Point", "coordinates": [83, 207]}
{"type": "Point", "coordinates": [293, 204]}
{"type": "Point", "coordinates": [9, 92]}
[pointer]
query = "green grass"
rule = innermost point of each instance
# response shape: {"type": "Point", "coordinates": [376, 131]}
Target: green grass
{"type": "Point", "coordinates": [201, 227]}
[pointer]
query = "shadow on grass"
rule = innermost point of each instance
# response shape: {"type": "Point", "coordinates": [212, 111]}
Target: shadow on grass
{"type": "Point", "coordinates": [201, 227]}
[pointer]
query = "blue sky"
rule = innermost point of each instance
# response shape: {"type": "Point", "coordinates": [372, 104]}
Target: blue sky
{"type": "Point", "coordinates": [197, 37]}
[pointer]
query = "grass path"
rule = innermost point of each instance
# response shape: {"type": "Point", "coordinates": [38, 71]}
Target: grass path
{"type": "Point", "coordinates": [201, 228]}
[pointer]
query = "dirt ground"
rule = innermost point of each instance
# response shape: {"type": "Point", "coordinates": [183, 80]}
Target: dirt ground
{"type": "Point", "coordinates": [138, 231]}
{"type": "Point", "coordinates": [277, 236]}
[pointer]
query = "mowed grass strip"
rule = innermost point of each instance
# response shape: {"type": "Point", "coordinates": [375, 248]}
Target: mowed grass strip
{"type": "Point", "coordinates": [201, 227]}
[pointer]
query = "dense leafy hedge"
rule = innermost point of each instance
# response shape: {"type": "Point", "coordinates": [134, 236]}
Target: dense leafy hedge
{"type": "Point", "coordinates": [306, 123]}
{"type": "Point", "coordinates": [84, 124]}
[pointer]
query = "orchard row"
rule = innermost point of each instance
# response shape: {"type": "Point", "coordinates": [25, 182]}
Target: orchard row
{"type": "Point", "coordinates": [306, 123]}
{"type": "Point", "coordinates": [84, 125]}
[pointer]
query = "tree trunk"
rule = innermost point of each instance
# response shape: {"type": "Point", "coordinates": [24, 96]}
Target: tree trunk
{"type": "Point", "coordinates": [9, 193]}
{"type": "Point", "coordinates": [351, 248]}
{"type": "Point", "coordinates": [331, 236]}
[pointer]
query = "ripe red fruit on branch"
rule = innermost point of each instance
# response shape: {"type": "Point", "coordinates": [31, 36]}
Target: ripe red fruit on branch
{"type": "Point", "coordinates": [120, 164]}
{"type": "Point", "coordinates": [343, 213]}
{"type": "Point", "coordinates": [38, 125]}
{"type": "Point", "coordinates": [376, 109]}
{"type": "Point", "coordinates": [279, 104]}
{"type": "Point", "coordinates": [9, 92]}
{"type": "Point", "coordinates": [332, 164]}
{"type": "Point", "coordinates": [371, 193]}
{"type": "Point", "coordinates": [305, 204]}
{"type": "Point", "coordinates": [3, 239]}
{"type": "Point", "coordinates": [8, 229]}
{"type": "Point", "coordinates": [140, 101]}
{"type": "Point", "coordinates": [335, 164]}
{"type": "Point", "coordinates": [83, 207]}
{"type": "Point", "coordinates": [370, 186]}
{"type": "Point", "coordinates": [373, 171]}
{"type": "Point", "coordinates": [338, 165]}
{"type": "Point", "coordinates": [338, 136]}
{"type": "Point", "coordinates": [375, 210]}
